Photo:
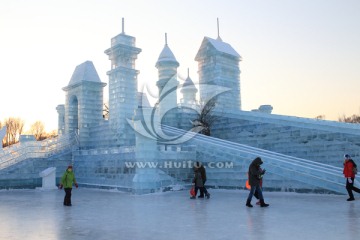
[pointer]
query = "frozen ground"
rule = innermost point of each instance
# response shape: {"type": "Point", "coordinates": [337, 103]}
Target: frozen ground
{"type": "Point", "coordinates": [100, 214]}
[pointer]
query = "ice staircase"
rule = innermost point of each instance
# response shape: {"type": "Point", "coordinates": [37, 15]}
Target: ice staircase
{"type": "Point", "coordinates": [316, 174]}
{"type": "Point", "coordinates": [47, 148]}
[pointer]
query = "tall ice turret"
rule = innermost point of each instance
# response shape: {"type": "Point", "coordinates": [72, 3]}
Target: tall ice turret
{"type": "Point", "coordinates": [122, 86]}
{"type": "Point", "coordinates": [167, 83]}
{"type": "Point", "coordinates": [218, 65]}
{"type": "Point", "coordinates": [189, 92]}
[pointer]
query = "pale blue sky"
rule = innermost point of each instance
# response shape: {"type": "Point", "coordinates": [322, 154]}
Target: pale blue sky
{"type": "Point", "coordinates": [302, 57]}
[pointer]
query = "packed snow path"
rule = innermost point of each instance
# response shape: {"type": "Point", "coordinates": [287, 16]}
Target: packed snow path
{"type": "Point", "coordinates": [105, 215]}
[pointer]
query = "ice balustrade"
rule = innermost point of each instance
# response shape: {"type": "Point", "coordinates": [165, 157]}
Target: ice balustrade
{"type": "Point", "coordinates": [176, 148]}
{"type": "Point", "coordinates": [309, 172]}
{"type": "Point", "coordinates": [39, 149]}
{"type": "Point", "coordinates": [102, 151]}
{"type": "Point", "coordinates": [316, 124]}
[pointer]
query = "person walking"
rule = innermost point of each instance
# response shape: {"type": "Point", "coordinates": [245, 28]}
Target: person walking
{"type": "Point", "coordinates": [349, 173]}
{"type": "Point", "coordinates": [198, 182]}
{"type": "Point", "coordinates": [66, 182]}
{"type": "Point", "coordinates": [255, 176]}
{"type": "Point", "coordinates": [256, 195]}
{"type": "Point", "coordinates": [202, 170]}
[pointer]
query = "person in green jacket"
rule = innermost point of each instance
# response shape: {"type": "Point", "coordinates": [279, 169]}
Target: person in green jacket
{"type": "Point", "coordinates": [66, 182]}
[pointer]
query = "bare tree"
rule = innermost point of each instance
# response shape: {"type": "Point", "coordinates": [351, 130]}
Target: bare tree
{"type": "Point", "coordinates": [14, 127]}
{"type": "Point", "coordinates": [2, 140]}
{"type": "Point", "coordinates": [206, 118]}
{"type": "Point", "coordinates": [106, 111]}
{"type": "Point", "coordinates": [38, 130]}
{"type": "Point", "coordinates": [320, 117]}
{"type": "Point", "coordinates": [353, 119]}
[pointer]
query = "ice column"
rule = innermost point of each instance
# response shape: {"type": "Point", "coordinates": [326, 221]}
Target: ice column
{"type": "Point", "coordinates": [147, 178]}
{"type": "Point", "coordinates": [61, 118]}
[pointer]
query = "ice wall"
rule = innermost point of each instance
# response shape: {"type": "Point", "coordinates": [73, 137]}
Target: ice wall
{"type": "Point", "coordinates": [317, 140]}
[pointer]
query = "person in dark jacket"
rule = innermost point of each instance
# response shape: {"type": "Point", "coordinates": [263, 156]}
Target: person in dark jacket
{"type": "Point", "coordinates": [202, 170]}
{"type": "Point", "coordinates": [255, 175]}
{"type": "Point", "coordinates": [349, 174]}
{"type": "Point", "coordinates": [198, 182]}
{"type": "Point", "coordinates": [66, 182]}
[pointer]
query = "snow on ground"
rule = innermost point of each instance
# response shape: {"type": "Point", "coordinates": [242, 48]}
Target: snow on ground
{"type": "Point", "coordinates": [101, 214]}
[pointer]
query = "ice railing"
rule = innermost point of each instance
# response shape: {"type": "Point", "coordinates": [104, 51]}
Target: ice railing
{"type": "Point", "coordinates": [317, 174]}
{"type": "Point", "coordinates": [326, 125]}
{"type": "Point", "coordinates": [109, 150]}
{"type": "Point", "coordinates": [37, 149]}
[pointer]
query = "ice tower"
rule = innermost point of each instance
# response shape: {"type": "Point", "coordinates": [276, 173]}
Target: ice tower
{"type": "Point", "coordinates": [84, 101]}
{"type": "Point", "coordinates": [167, 83]}
{"type": "Point", "coordinates": [189, 92]}
{"type": "Point", "coordinates": [122, 86]}
{"type": "Point", "coordinates": [218, 64]}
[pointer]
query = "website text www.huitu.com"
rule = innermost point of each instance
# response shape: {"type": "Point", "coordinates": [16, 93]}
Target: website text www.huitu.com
{"type": "Point", "coordinates": [178, 164]}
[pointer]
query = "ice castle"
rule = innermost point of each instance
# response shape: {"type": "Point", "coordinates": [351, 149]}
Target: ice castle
{"type": "Point", "coordinates": [142, 148]}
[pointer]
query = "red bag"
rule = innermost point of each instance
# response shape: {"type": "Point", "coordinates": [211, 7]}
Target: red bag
{"type": "Point", "coordinates": [192, 191]}
{"type": "Point", "coordinates": [247, 185]}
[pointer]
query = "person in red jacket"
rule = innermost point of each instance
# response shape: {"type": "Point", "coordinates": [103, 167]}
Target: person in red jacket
{"type": "Point", "coordinates": [349, 174]}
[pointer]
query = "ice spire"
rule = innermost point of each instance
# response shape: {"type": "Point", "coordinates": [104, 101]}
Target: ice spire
{"type": "Point", "coordinates": [218, 31]}
{"type": "Point", "coordinates": [188, 91]}
{"type": "Point", "coordinates": [166, 54]}
{"type": "Point", "coordinates": [122, 25]}
{"type": "Point", "coordinates": [188, 80]}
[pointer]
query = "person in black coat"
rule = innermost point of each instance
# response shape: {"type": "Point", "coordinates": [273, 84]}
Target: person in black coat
{"type": "Point", "coordinates": [202, 170]}
{"type": "Point", "coordinates": [255, 175]}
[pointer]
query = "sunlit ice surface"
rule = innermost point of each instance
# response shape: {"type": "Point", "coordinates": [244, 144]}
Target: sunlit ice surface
{"type": "Point", "coordinates": [105, 214]}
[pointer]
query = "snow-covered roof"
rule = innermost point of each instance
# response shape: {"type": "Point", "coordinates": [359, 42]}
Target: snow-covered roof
{"type": "Point", "coordinates": [188, 86]}
{"type": "Point", "coordinates": [188, 82]}
{"type": "Point", "coordinates": [220, 46]}
{"type": "Point", "coordinates": [84, 72]}
{"type": "Point", "coordinates": [166, 55]}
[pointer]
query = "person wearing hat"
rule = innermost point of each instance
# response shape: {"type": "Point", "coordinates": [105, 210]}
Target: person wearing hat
{"type": "Point", "coordinates": [67, 181]}
{"type": "Point", "coordinates": [349, 173]}
{"type": "Point", "coordinates": [255, 176]}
